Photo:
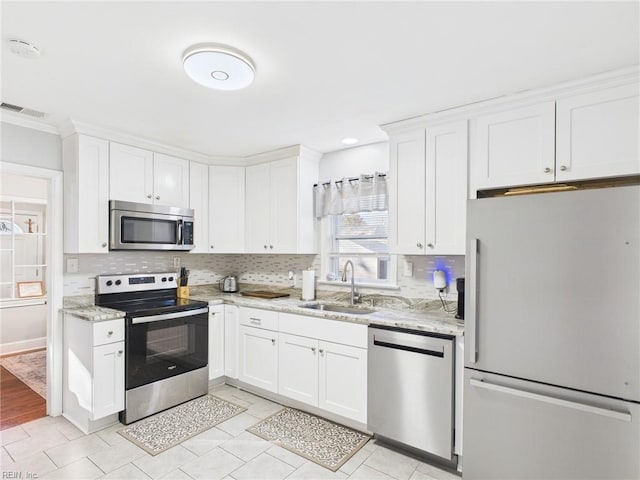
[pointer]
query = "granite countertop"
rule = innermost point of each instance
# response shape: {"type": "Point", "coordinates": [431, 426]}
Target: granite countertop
{"type": "Point", "coordinates": [424, 315]}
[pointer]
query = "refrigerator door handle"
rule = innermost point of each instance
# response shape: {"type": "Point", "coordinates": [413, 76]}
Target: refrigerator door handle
{"type": "Point", "coordinates": [471, 322]}
{"type": "Point", "coordinates": [624, 416]}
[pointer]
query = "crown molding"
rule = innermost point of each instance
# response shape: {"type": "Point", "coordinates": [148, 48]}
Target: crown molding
{"type": "Point", "coordinates": [21, 120]}
{"type": "Point", "coordinates": [609, 79]}
{"type": "Point", "coordinates": [279, 154]}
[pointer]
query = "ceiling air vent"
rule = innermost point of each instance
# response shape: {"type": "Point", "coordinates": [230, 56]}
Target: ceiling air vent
{"type": "Point", "coordinates": [18, 109]}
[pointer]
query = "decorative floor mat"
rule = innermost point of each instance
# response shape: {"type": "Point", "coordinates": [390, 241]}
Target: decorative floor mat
{"type": "Point", "coordinates": [321, 441]}
{"type": "Point", "coordinates": [167, 429]}
{"type": "Point", "coordinates": [30, 368]}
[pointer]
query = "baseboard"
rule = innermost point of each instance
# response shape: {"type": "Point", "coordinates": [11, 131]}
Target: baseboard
{"type": "Point", "coordinates": [23, 346]}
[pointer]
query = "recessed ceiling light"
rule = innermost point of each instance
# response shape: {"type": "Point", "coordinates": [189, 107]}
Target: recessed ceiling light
{"type": "Point", "coordinates": [218, 66]}
{"type": "Point", "coordinates": [23, 49]}
{"type": "Point", "coordinates": [349, 141]}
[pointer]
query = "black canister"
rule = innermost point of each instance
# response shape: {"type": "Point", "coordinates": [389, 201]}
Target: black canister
{"type": "Point", "coordinates": [460, 288]}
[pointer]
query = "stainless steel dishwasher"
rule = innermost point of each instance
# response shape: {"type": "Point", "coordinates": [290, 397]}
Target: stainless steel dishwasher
{"type": "Point", "coordinates": [411, 388]}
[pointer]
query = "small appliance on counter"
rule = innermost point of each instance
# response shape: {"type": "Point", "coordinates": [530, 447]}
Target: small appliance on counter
{"type": "Point", "coordinates": [228, 284]}
{"type": "Point", "coordinates": [460, 289]}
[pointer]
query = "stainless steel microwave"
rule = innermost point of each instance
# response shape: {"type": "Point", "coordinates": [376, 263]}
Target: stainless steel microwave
{"type": "Point", "coordinates": [139, 226]}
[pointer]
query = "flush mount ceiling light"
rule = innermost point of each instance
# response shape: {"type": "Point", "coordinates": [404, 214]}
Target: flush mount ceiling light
{"type": "Point", "coordinates": [218, 66]}
{"type": "Point", "coordinates": [23, 49]}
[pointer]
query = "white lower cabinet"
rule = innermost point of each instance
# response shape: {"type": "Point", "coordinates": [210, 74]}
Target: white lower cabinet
{"type": "Point", "coordinates": [298, 368]}
{"type": "Point", "coordinates": [93, 379]}
{"type": "Point", "coordinates": [259, 358]}
{"type": "Point", "coordinates": [231, 340]}
{"type": "Point", "coordinates": [216, 341]}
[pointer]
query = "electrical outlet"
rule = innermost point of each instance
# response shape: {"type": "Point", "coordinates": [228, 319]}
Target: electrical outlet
{"type": "Point", "coordinates": [408, 269]}
{"type": "Point", "coordinates": [72, 265]}
{"type": "Point", "coordinates": [176, 262]}
{"type": "Point", "coordinates": [292, 278]}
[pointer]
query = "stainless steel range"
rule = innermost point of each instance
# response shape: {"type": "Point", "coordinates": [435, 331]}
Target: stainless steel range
{"type": "Point", "coordinates": [166, 341]}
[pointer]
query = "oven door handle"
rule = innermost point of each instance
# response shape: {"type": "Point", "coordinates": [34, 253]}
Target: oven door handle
{"type": "Point", "coordinates": [169, 316]}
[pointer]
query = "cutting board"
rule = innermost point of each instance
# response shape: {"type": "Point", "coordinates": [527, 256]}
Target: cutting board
{"type": "Point", "coordinates": [264, 294]}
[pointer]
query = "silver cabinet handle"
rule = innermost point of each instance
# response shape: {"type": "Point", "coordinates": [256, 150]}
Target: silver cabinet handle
{"type": "Point", "coordinates": [119, 352]}
{"type": "Point", "coordinates": [104, 244]}
{"type": "Point", "coordinates": [109, 333]}
{"type": "Point", "coordinates": [271, 247]}
{"type": "Point", "coordinates": [624, 416]}
{"type": "Point", "coordinates": [313, 349]}
{"type": "Point", "coordinates": [149, 196]}
{"type": "Point", "coordinates": [547, 170]}
{"type": "Point", "coordinates": [471, 309]}
{"type": "Point", "coordinates": [211, 246]}
{"type": "Point", "coordinates": [430, 245]}
{"type": "Point", "coordinates": [265, 247]}
{"type": "Point", "coordinates": [254, 320]}
{"type": "Point", "coordinates": [419, 245]}
{"type": "Point", "coordinates": [273, 341]}
{"type": "Point", "coordinates": [321, 351]}
{"type": "Point", "coordinates": [563, 168]}
{"type": "Point", "coordinates": [157, 197]}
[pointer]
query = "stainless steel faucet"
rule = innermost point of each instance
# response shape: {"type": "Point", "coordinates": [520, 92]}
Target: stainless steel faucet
{"type": "Point", "coordinates": [355, 296]}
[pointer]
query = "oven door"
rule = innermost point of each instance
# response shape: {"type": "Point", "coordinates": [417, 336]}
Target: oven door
{"type": "Point", "coordinates": [163, 346]}
{"type": "Point", "coordinates": [150, 231]}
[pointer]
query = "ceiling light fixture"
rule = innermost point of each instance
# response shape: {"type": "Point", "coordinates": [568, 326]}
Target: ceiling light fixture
{"type": "Point", "coordinates": [23, 49]}
{"type": "Point", "coordinates": [349, 141]}
{"type": "Point", "coordinates": [218, 66]}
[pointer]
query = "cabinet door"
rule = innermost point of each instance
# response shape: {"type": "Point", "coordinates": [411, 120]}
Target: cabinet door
{"type": "Point", "coordinates": [343, 380]}
{"type": "Point", "coordinates": [86, 194]}
{"type": "Point", "coordinates": [170, 181]}
{"type": "Point", "coordinates": [231, 340]}
{"type": "Point", "coordinates": [226, 209]}
{"type": "Point", "coordinates": [515, 147]}
{"type": "Point", "coordinates": [216, 342]}
{"type": "Point", "coordinates": [199, 202]}
{"type": "Point", "coordinates": [130, 174]}
{"type": "Point", "coordinates": [597, 134]}
{"type": "Point", "coordinates": [108, 379]}
{"type": "Point", "coordinates": [446, 189]}
{"type": "Point", "coordinates": [406, 193]}
{"type": "Point", "coordinates": [298, 368]}
{"type": "Point", "coordinates": [257, 208]}
{"type": "Point", "coordinates": [259, 358]}
{"type": "Point", "coordinates": [284, 206]}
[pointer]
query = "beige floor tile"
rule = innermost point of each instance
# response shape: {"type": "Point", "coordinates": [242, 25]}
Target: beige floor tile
{"type": "Point", "coordinates": [115, 456]}
{"type": "Point", "coordinates": [439, 473]}
{"type": "Point", "coordinates": [246, 446]}
{"type": "Point", "coordinates": [167, 461]}
{"type": "Point", "coordinates": [206, 441]}
{"type": "Point", "coordinates": [238, 424]}
{"type": "Point", "coordinates": [354, 462]}
{"type": "Point", "coordinates": [363, 472]}
{"type": "Point", "coordinates": [286, 456]}
{"type": "Point", "coordinates": [111, 435]}
{"type": "Point", "coordinates": [418, 475]}
{"type": "Point", "coordinates": [176, 475]}
{"type": "Point", "coordinates": [76, 449]}
{"type": "Point", "coordinates": [212, 465]}
{"type": "Point", "coordinates": [263, 408]}
{"type": "Point", "coordinates": [5, 458]}
{"type": "Point", "coordinates": [44, 439]}
{"type": "Point", "coordinates": [263, 467]}
{"type": "Point", "coordinates": [126, 472]}
{"type": "Point", "coordinates": [12, 435]}
{"type": "Point", "coordinates": [313, 471]}
{"type": "Point", "coordinates": [34, 466]}
{"type": "Point", "coordinates": [392, 463]}
{"type": "Point", "coordinates": [83, 469]}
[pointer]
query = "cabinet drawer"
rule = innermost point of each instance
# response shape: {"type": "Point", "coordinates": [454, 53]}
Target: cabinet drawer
{"type": "Point", "coordinates": [108, 332]}
{"type": "Point", "coordinates": [346, 333]}
{"type": "Point", "coordinates": [254, 317]}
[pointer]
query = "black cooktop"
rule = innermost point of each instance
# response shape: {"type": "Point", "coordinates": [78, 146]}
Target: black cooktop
{"type": "Point", "coordinates": [152, 306]}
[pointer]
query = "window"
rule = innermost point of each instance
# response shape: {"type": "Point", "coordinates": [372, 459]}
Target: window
{"type": "Point", "coordinates": [362, 238]}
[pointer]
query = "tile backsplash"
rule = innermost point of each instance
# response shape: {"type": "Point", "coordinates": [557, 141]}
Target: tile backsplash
{"type": "Point", "coordinates": [269, 270]}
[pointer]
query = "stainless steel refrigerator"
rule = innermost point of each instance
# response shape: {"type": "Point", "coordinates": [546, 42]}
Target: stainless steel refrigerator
{"type": "Point", "coordinates": [552, 336]}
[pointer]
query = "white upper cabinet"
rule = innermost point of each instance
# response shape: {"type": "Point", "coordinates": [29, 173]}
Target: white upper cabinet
{"type": "Point", "coordinates": [199, 203]}
{"type": "Point", "coordinates": [130, 174]}
{"type": "Point", "coordinates": [515, 147]}
{"type": "Point", "coordinates": [86, 194]}
{"type": "Point", "coordinates": [597, 134]}
{"type": "Point", "coordinates": [279, 205]}
{"type": "Point", "coordinates": [428, 190]}
{"type": "Point", "coordinates": [138, 175]}
{"type": "Point", "coordinates": [226, 209]}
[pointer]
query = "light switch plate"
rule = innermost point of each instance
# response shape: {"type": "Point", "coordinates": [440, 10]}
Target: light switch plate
{"type": "Point", "coordinates": [72, 265]}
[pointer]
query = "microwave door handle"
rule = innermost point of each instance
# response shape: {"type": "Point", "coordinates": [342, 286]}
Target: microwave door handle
{"type": "Point", "coordinates": [179, 227]}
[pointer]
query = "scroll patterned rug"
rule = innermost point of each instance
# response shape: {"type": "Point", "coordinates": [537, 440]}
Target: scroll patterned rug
{"type": "Point", "coordinates": [321, 441]}
{"type": "Point", "coordinates": [30, 368]}
{"type": "Point", "coordinates": [167, 429]}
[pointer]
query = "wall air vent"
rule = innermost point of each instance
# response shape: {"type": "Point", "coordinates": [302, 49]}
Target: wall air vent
{"type": "Point", "coordinates": [25, 111]}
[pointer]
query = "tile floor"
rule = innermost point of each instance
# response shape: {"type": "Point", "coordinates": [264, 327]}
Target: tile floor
{"type": "Point", "coordinates": [51, 448]}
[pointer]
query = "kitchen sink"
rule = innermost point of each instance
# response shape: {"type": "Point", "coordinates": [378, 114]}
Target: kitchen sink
{"type": "Point", "coordinates": [338, 308]}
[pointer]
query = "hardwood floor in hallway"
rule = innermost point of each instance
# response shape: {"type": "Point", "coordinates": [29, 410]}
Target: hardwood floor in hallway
{"type": "Point", "coordinates": [18, 403]}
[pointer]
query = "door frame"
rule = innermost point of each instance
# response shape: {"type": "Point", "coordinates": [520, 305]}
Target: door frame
{"type": "Point", "coordinates": [54, 277]}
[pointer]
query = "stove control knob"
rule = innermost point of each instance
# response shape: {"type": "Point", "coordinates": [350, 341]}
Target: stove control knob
{"type": "Point", "coordinates": [109, 283]}
{"type": "Point", "coordinates": [164, 279]}
{"type": "Point", "coordinates": [171, 279]}
{"type": "Point", "coordinates": [118, 282]}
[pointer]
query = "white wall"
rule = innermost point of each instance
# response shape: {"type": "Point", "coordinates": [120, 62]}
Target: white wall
{"type": "Point", "coordinates": [27, 146]}
{"type": "Point", "coordinates": [23, 186]}
{"type": "Point", "coordinates": [352, 162]}
{"type": "Point", "coordinates": [23, 328]}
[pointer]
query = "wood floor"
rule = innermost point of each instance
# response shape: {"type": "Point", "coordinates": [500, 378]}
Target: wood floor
{"type": "Point", "coordinates": [18, 403]}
